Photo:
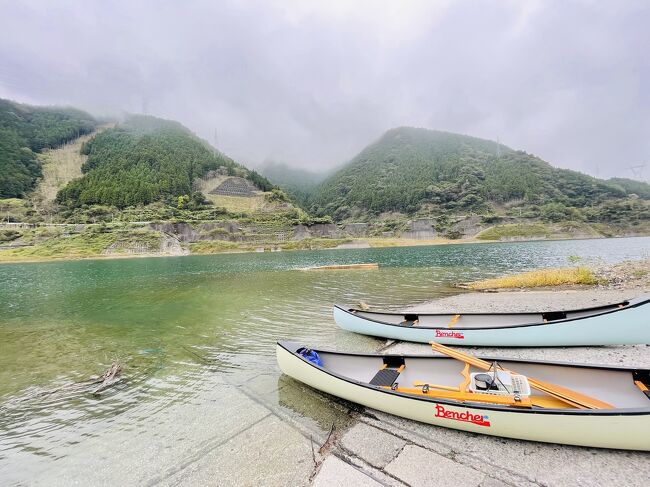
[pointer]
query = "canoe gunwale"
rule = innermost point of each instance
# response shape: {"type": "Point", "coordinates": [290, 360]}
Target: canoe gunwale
{"type": "Point", "coordinates": [291, 348]}
{"type": "Point", "coordinates": [630, 305]}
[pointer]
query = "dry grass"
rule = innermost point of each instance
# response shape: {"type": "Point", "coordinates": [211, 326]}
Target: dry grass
{"type": "Point", "coordinates": [60, 166]}
{"type": "Point", "coordinates": [540, 278]}
{"type": "Point", "coordinates": [407, 242]}
{"type": "Point", "coordinates": [213, 247]}
{"type": "Point", "coordinates": [238, 204]}
{"type": "Point", "coordinates": [537, 231]}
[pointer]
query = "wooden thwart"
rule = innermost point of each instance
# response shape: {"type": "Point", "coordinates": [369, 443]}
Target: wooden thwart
{"type": "Point", "coordinates": [466, 379]}
{"type": "Point", "coordinates": [453, 321]}
{"type": "Point", "coordinates": [568, 396]}
{"type": "Point", "coordinates": [435, 386]}
{"type": "Point", "coordinates": [537, 401]}
{"type": "Point", "coordinates": [448, 392]}
{"type": "Point", "coordinates": [464, 396]}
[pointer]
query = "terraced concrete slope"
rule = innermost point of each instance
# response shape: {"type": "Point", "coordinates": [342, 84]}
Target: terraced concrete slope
{"type": "Point", "coordinates": [145, 160]}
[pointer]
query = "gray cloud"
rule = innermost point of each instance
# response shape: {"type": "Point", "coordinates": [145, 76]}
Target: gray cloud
{"type": "Point", "coordinates": [311, 83]}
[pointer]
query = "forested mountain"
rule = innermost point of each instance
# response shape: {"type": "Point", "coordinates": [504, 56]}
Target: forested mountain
{"type": "Point", "coordinates": [25, 130]}
{"type": "Point", "coordinates": [411, 170]}
{"type": "Point", "coordinates": [143, 160]}
{"type": "Point", "coordinates": [408, 170]}
{"type": "Point", "coordinates": [299, 183]}
{"type": "Point", "coordinates": [630, 186]}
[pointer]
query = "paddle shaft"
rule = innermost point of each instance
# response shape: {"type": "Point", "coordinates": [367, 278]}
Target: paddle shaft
{"type": "Point", "coordinates": [464, 396]}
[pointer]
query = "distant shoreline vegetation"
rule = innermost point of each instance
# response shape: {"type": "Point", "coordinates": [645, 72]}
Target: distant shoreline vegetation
{"type": "Point", "coordinates": [410, 185]}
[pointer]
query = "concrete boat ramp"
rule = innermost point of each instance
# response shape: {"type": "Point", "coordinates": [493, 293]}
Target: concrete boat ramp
{"type": "Point", "coordinates": [283, 435]}
{"type": "Point", "coordinates": [281, 445]}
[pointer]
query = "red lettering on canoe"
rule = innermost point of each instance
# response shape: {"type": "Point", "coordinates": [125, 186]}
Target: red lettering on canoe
{"type": "Point", "coordinates": [465, 417]}
{"type": "Point", "coordinates": [450, 334]}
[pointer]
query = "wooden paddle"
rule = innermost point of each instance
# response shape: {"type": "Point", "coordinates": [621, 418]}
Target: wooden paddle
{"type": "Point", "coordinates": [573, 398]}
{"type": "Point", "coordinates": [448, 392]}
{"type": "Point", "coordinates": [463, 396]}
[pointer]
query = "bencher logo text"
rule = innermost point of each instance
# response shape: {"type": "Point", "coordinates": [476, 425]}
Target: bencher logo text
{"type": "Point", "coordinates": [450, 334]}
{"type": "Point", "coordinates": [465, 416]}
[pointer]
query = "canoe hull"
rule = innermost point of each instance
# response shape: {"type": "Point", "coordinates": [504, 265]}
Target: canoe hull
{"type": "Point", "coordinates": [624, 327]}
{"type": "Point", "coordinates": [626, 432]}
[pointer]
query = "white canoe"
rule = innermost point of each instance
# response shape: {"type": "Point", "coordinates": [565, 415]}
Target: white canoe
{"type": "Point", "coordinates": [623, 323]}
{"type": "Point", "coordinates": [626, 426]}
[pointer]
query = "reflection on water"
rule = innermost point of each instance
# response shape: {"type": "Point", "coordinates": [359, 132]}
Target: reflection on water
{"type": "Point", "coordinates": [181, 326]}
{"type": "Point", "coordinates": [312, 406]}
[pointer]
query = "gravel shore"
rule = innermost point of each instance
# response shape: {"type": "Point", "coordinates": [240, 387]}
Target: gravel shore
{"type": "Point", "coordinates": [630, 275]}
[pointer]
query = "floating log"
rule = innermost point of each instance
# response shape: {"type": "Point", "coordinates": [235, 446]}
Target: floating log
{"type": "Point", "coordinates": [341, 267]}
{"type": "Point", "coordinates": [100, 383]}
{"type": "Point", "coordinates": [110, 377]}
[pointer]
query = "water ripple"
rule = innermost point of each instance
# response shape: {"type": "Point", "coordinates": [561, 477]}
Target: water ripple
{"type": "Point", "coordinates": [180, 326]}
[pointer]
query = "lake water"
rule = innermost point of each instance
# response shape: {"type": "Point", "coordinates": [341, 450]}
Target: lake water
{"type": "Point", "coordinates": [185, 327]}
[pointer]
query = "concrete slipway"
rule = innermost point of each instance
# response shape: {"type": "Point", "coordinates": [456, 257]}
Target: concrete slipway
{"type": "Point", "coordinates": [284, 423]}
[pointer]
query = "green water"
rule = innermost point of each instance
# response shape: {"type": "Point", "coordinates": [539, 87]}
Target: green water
{"type": "Point", "coordinates": [180, 325]}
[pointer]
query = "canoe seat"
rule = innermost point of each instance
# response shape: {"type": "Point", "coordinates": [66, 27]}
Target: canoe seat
{"type": "Point", "coordinates": [410, 320]}
{"type": "Point", "coordinates": [388, 374]}
{"type": "Point", "coordinates": [385, 377]}
{"type": "Point", "coordinates": [553, 315]}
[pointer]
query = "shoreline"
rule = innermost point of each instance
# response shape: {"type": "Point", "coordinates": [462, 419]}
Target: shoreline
{"type": "Point", "coordinates": [373, 243]}
{"type": "Point", "coordinates": [409, 448]}
{"type": "Point", "coordinates": [281, 421]}
{"type": "Point", "coordinates": [629, 274]}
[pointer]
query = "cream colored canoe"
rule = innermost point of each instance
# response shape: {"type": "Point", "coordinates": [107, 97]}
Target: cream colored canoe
{"type": "Point", "coordinates": [348, 376]}
{"type": "Point", "coordinates": [624, 323]}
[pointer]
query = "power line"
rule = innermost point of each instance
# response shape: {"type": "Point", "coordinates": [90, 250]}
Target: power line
{"type": "Point", "coordinates": [637, 171]}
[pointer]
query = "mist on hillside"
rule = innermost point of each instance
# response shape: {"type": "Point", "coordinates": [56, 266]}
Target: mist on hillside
{"type": "Point", "coordinates": [310, 84]}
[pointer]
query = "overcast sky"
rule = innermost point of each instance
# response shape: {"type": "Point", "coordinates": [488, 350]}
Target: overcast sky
{"type": "Point", "coordinates": [311, 82]}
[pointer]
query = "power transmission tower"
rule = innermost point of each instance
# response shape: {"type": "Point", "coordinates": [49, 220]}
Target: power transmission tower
{"type": "Point", "coordinates": [637, 171]}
